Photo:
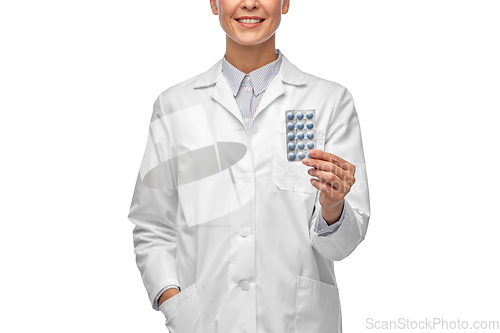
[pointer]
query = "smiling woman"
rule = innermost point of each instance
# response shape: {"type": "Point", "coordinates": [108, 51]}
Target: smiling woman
{"type": "Point", "coordinates": [230, 232]}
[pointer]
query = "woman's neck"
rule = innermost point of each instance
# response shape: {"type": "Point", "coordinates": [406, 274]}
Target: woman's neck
{"type": "Point", "coordinates": [248, 58]}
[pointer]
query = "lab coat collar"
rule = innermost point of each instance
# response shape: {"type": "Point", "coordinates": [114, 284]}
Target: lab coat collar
{"type": "Point", "coordinates": [288, 73]}
{"type": "Point", "coordinates": [223, 95]}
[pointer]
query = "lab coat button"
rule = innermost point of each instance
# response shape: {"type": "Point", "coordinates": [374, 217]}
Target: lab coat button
{"type": "Point", "coordinates": [245, 231]}
{"type": "Point", "coordinates": [244, 285]}
{"type": "Point", "coordinates": [247, 178]}
{"type": "Point", "coordinates": [255, 128]}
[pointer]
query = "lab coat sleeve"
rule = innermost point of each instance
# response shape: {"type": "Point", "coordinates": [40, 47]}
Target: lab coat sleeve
{"type": "Point", "coordinates": [153, 212]}
{"type": "Point", "coordinates": [323, 229]}
{"type": "Point", "coordinates": [343, 138]}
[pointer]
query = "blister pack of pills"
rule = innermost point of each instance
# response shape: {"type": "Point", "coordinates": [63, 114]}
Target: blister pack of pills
{"type": "Point", "coordinates": [300, 133]}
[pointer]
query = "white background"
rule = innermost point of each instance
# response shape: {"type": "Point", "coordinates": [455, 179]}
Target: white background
{"type": "Point", "coordinates": [78, 81]}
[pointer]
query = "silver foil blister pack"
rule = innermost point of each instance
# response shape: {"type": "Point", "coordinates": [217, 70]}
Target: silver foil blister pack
{"type": "Point", "coordinates": [300, 133]}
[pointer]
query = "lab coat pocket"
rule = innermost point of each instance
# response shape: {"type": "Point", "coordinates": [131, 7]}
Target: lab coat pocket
{"type": "Point", "coordinates": [317, 307]}
{"type": "Point", "coordinates": [183, 312]}
{"type": "Point", "coordinates": [292, 176]}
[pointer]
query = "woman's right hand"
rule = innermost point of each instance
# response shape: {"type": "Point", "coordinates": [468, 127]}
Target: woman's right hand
{"type": "Point", "coordinates": [170, 292]}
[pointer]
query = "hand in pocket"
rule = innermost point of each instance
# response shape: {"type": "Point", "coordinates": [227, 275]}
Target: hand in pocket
{"type": "Point", "coordinates": [167, 294]}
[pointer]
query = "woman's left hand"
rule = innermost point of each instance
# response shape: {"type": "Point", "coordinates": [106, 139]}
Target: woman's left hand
{"type": "Point", "coordinates": [335, 178]}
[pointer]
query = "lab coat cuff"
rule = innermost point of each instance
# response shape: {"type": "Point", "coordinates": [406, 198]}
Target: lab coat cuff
{"type": "Point", "coordinates": [158, 288]}
{"type": "Point", "coordinates": [323, 229]}
{"type": "Point", "coordinates": [156, 306]}
{"type": "Point", "coordinates": [338, 245]}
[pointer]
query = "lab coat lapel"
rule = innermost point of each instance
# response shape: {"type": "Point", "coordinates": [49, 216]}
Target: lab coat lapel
{"type": "Point", "coordinates": [289, 74]}
{"type": "Point", "coordinates": [222, 92]}
{"type": "Point", "coordinates": [273, 91]}
{"type": "Point", "coordinates": [223, 95]}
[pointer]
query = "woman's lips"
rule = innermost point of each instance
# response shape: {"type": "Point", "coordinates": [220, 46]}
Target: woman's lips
{"type": "Point", "coordinates": [249, 25]}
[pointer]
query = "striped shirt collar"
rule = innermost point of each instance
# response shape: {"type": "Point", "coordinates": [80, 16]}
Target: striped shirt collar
{"type": "Point", "coordinates": [261, 77]}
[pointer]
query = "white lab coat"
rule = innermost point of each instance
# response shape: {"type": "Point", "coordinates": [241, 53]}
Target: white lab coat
{"type": "Point", "coordinates": [219, 211]}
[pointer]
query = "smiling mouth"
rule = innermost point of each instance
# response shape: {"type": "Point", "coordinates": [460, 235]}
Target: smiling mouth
{"type": "Point", "coordinates": [250, 21]}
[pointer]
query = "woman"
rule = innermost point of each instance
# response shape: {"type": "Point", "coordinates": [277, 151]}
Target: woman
{"type": "Point", "coordinates": [231, 233]}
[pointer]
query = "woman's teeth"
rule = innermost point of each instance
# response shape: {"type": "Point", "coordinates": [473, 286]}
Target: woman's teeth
{"type": "Point", "coordinates": [250, 21]}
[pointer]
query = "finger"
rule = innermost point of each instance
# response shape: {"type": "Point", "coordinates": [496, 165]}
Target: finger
{"type": "Point", "coordinates": [330, 179]}
{"type": "Point", "coordinates": [328, 191]}
{"type": "Point", "coordinates": [342, 174]}
{"type": "Point", "coordinates": [329, 157]}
